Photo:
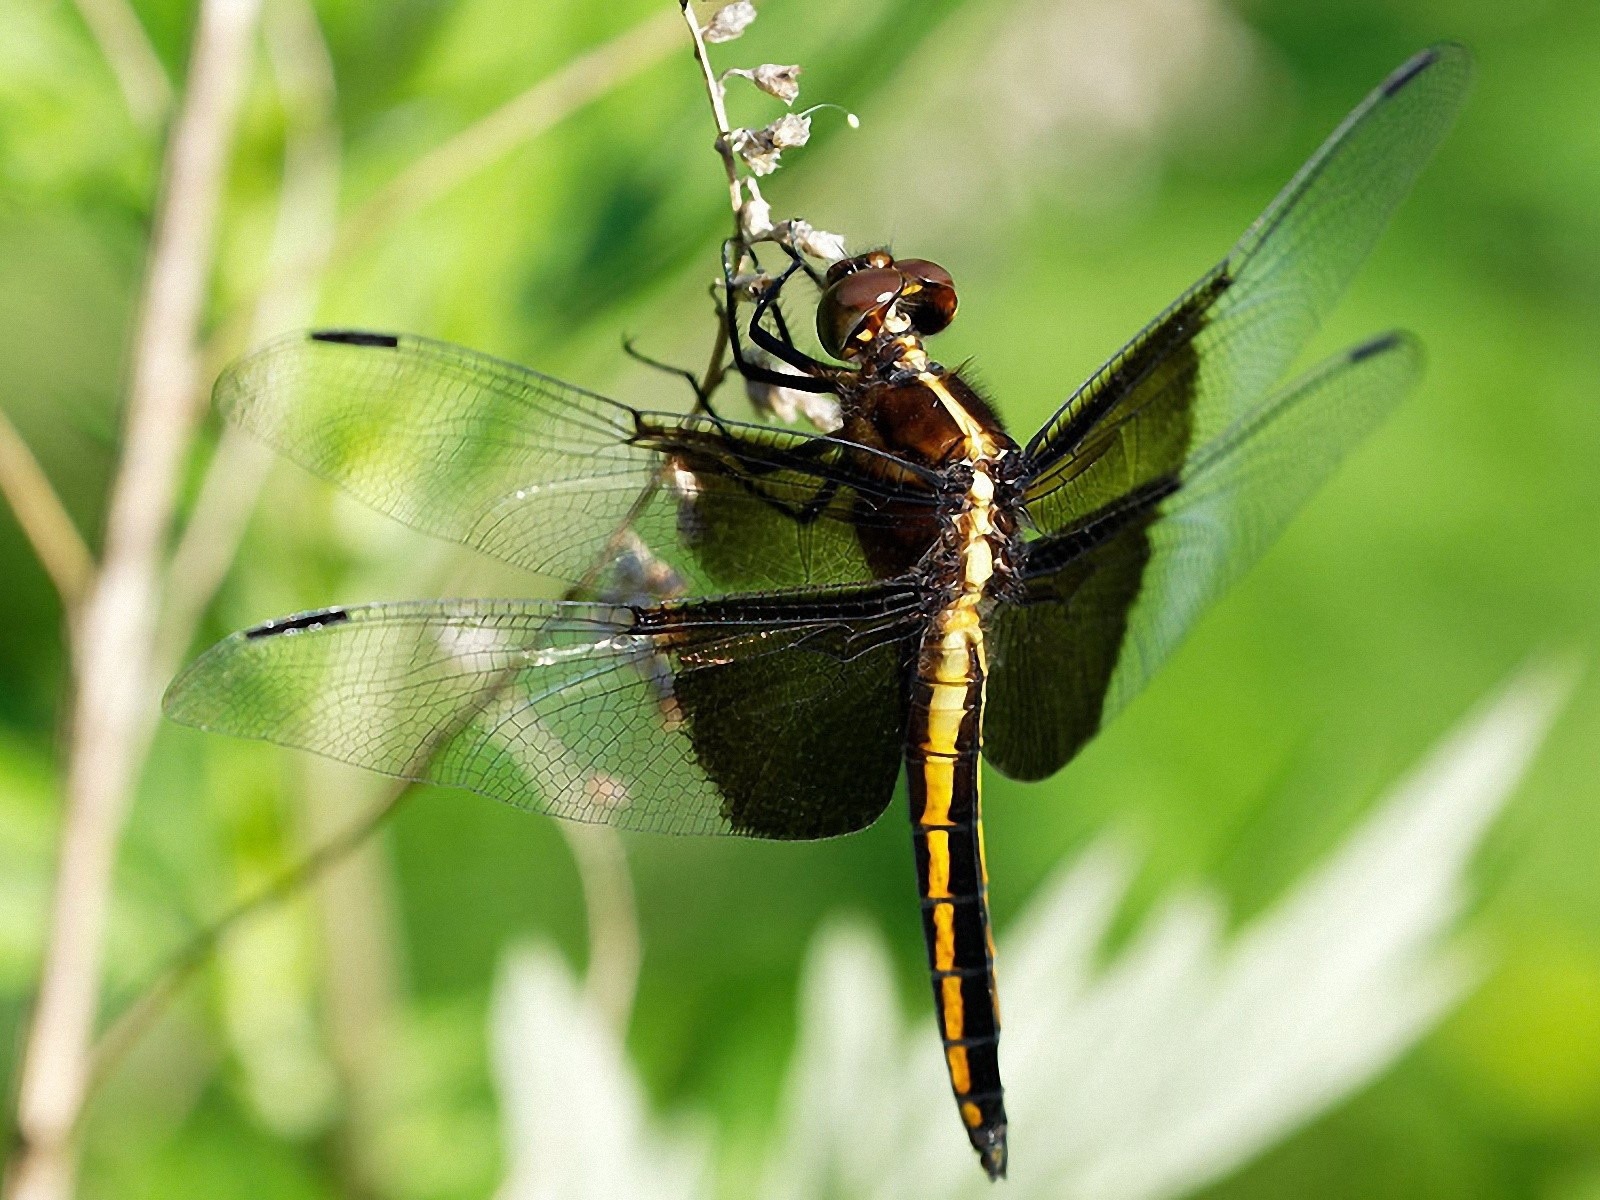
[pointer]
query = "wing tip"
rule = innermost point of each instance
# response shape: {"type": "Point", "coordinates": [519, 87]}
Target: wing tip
{"type": "Point", "coordinates": [299, 623]}
{"type": "Point", "coordinates": [1383, 343]}
{"type": "Point", "coordinates": [1440, 52]}
{"type": "Point", "coordinates": [180, 703]}
{"type": "Point", "coordinates": [177, 702]}
{"type": "Point", "coordinates": [356, 337]}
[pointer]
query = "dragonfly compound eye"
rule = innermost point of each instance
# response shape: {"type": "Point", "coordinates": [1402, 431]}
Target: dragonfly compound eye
{"type": "Point", "coordinates": [929, 296]}
{"type": "Point", "coordinates": [870, 261]}
{"type": "Point", "coordinates": [852, 309]}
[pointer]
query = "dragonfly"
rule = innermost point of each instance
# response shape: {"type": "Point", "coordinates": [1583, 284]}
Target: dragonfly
{"type": "Point", "coordinates": [791, 621]}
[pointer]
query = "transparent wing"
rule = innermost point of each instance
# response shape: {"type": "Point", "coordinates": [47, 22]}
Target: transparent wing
{"type": "Point", "coordinates": [773, 717]}
{"type": "Point", "coordinates": [1107, 600]}
{"type": "Point", "coordinates": [1213, 358]}
{"type": "Point", "coordinates": [548, 476]}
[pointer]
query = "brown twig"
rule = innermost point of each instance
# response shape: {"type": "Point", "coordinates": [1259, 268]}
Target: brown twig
{"type": "Point", "coordinates": [44, 519]}
{"type": "Point", "coordinates": [760, 150]}
{"type": "Point", "coordinates": [127, 50]}
{"type": "Point", "coordinates": [717, 366]}
{"type": "Point", "coordinates": [116, 630]}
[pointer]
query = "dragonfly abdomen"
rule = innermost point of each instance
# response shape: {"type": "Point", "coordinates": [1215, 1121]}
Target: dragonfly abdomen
{"type": "Point", "coordinates": [942, 759]}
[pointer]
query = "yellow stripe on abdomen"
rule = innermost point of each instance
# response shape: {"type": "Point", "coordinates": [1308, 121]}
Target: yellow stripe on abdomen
{"type": "Point", "coordinates": [960, 1072]}
{"type": "Point", "coordinates": [938, 842]}
{"type": "Point", "coordinates": [947, 708]}
{"type": "Point", "coordinates": [944, 937]}
{"type": "Point", "coordinates": [954, 1013]}
{"type": "Point", "coordinates": [939, 779]}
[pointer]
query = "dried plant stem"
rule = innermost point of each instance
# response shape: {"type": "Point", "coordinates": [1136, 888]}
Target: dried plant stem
{"type": "Point", "coordinates": [719, 112]}
{"type": "Point", "coordinates": [613, 919]}
{"type": "Point", "coordinates": [307, 216]}
{"type": "Point", "coordinates": [208, 545]}
{"type": "Point", "coordinates": [298, 56]}
{"type": "Point", "coordinates": [44, 520]}
{"type": "Point", "coordinates": [116, 630]}
{"type": "Point", "coordinates": [143, 80]}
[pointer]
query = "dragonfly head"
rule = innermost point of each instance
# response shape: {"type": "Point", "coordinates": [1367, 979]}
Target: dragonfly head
{"type": "Point", "coordinates": [872, 294]}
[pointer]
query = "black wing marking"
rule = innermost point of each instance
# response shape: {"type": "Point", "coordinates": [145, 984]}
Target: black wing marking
{"type": "Point", "coordinates": [547, 476]}
{"type": "Point", "coordinates": [1211, 360]}
{"type": "Point", "coordinates": [766, 716]}
{"type": "Point", "coordinates": [1106, 601]}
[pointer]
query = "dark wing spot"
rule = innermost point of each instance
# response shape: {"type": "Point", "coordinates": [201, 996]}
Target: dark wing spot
{"type": "Point", "coordinates": [311, 620]}
{"type": "Point", "coordinates": [1377, 345]}
{"type": "Point", "coordinates": [356, 337]}
{"type": "Point", "coordinates": [1410, 69]}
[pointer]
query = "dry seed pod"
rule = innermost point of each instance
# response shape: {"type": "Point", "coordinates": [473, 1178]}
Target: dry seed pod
{"type": "Point", "coordinates": [730, 21]}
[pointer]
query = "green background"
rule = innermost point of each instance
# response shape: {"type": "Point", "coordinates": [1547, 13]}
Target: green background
{"type": "Point", "coordinates": [1070, 204]}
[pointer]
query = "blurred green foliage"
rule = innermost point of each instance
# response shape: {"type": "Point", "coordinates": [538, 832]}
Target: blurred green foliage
{"type": "Point", "coordinates": [1460, 542]}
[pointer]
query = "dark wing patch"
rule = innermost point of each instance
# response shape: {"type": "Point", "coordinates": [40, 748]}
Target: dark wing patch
{"type": "Point", "coordinates": [1053, 655]}
{"type": "Point", "coordinates": [1104, 603]}
{"type": "Point", "coordinates": [1212, 360]}
{"type": "Point", "coordinates": [764, 716]}
{"type": "Point", "coordinates": [552, 478]}
{"type": "Point", "coordinates": [1165, 475]}
{"type": "Point", "coordinates": [1134, 423]}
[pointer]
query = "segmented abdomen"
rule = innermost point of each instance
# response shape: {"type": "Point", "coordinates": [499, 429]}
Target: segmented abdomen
{"type": "Point", "coordinates": [942, 755]}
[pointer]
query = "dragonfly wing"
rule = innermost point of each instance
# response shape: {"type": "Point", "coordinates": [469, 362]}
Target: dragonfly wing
{"type": "Point", "coordinates": [1108, 600]}
{"type": "Point", "coordinates": [1213, 359]}
{"type": "Point", "coordinates": [552, 478]}
{"type": "Point", "coordinates": [773, 717]}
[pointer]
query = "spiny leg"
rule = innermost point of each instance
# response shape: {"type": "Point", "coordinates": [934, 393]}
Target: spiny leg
{"type": "Point", "coordinates": [782, 347]}
{"type": "Point", "coordinates": [816, 377]}
{"type": "Point", "coordinates": [702, 398]}
{"type": "Point", "coordinates": [801, 261]}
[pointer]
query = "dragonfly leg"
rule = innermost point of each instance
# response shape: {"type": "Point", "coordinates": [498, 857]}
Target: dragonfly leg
{"type": "Point", "coordinates": [809, 374]}
{"type": "Point", "coordinates": [800, 261]}
{"type": "Point", "coordinates": [701, 398]}
{"type": "Point", "coordinates": [782, 346]}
